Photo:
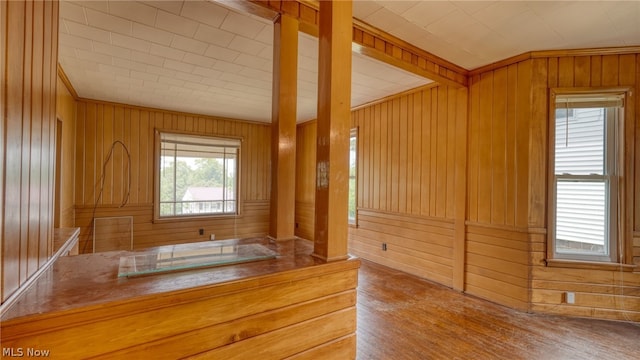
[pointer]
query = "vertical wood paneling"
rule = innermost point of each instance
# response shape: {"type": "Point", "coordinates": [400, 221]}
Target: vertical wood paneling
{"type": "Point", "coordinates": [105, 123]}
{"type": "Point", "coordinates": [66, 113]}
{"type": "Point", "coordinates": [28, 100]}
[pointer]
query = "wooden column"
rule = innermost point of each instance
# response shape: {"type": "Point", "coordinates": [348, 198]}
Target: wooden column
{"type": "Point", "coordinates": [283, 144]}
{"type": "Point", "coordinates": [334, 114]}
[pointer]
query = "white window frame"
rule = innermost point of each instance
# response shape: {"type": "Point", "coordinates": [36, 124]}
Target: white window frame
{"type": "Point", "coordinates": [613, 101]}
{"type": "Point", "coordinates": [213, 140]}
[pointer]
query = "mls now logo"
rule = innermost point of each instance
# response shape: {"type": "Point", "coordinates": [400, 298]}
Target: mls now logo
{"type": "Point", "coordinates": [20, 352]}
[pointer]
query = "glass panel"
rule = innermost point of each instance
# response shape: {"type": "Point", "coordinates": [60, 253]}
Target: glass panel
{"type": "Point", "coordinates": [581, 218]}
{"type": "Point", "coordinates": [192, 256]}
{"type": "Point", "coordinates": [580, 141]}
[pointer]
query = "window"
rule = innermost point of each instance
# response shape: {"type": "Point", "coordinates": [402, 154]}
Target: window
{"type": "Point", "coordinates": [196, 175]}
{"type": "Point", "coordinates": [585, 158]}
{"type": "Point", "coordinates": [353, 169]}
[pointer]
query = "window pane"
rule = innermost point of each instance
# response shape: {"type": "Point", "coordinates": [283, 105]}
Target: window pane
{"type": "Point", "coordinates": [352, 178]}
{"type": "Point", "coordinates": [581, 218]}
{"type": "Point", "coordinates": [197, 175]}
{"type": "Point", "coordinates": [580, 139]}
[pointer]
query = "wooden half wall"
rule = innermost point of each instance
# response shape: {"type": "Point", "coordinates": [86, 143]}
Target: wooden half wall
{"type": "Point", "coordinates": [100, 124]}
{"type": "Point", "coordinates": [28, 61]}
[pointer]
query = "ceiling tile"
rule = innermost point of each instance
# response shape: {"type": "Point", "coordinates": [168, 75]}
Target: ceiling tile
{"type": "Point", "coordinates": [108, 22]}
{"type": "Point", "coordinates": [176, 24]}
{"type": "Point", "coordinates": [130, 42]}
{"type": "Point", "coordinates": [208, 13]}
{"type": "Point", "coordinates": [110, 69]}
{"type": "Point", "coordinates": [188, 45]}
{"type": "Point", "coordinates": [160, 71]}
{"type": "Point", "coordinates": [73, 12]}
{"type": "Point", "coordinates": [250, 61]}
{"type": "Point", "coordinates": [188, 77]}
{"type": "Point", "coordinates": [221, 53]}
{"type": "Point", "coordinates": [426, 13]}
{"type": "Point", "coordinates": [199, 60]}
{"type": "Point", "coordinates": [206, 72]}
{"type": "Point", "coordinates": [167, 52]}
{"type": "Point", "coordinates": [87, 32]}
{"type": "Point", "coordinates": [94, 4]}
{"type": "Point", "coordinates": [178, 65]}
{"type": "Point", "coordinates": [131, 65]}
{"type": "Point", "coordinates": [146, 58]}
{"type": "Point", "coordinates": [213, 35]}
{"type": "Point", "coordinates": [152, 34]}
{"type": "Point", "coordinates": [247, 46]}
{"type": "Point", "coordinates": [92, 56]}
{"type": "Point", "coordinates": [242, 25]}
{"type": "Point", "coordinates": [107, 49]}
{"type": "Point", "coordinates": [75, 41]}
{"type": "Point", "coordinates": [170, 6]}
{"type": "Point", "coordinates": [134, 11]}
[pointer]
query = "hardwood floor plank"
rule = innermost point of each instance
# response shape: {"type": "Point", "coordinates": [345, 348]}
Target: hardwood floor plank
{"type": "Point", "coordinates": [401, 316]}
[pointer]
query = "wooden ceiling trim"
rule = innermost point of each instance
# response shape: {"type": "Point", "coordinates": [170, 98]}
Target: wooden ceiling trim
{"type": "Point", "coordinates": [375, 43]}
{"type": "Point", "coordinates": [67, 83]}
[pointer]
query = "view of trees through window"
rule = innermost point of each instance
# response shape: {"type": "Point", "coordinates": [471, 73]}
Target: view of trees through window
{"type": "Point", "coordinates": [197, 178]}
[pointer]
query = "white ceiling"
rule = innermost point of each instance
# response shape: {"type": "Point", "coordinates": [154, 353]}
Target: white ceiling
{"type": "Point", "coordinates": [476, 33]}
{"type": "Point", "coordinates": [200, 57]}
{"type": "Point", "coordinates": [197, 57]}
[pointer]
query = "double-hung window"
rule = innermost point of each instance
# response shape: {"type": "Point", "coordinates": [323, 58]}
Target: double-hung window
{"type": "Point", "coordinates": [584, 163]}
{"type": "Point", "coordinates": [196, 175]}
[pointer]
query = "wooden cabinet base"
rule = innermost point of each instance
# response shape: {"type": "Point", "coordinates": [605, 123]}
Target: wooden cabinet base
{"type": "Point", "coordinates": [304, 310]}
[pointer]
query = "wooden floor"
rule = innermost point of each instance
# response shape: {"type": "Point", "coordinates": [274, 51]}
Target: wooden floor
{"type": "Point", "coordinates": [401, 316]}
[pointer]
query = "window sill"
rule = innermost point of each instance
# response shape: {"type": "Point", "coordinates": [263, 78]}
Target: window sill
{"type": "Point", "coordinates": [590, 265]}
{"type": "Point", "coordinates": [195, 218]}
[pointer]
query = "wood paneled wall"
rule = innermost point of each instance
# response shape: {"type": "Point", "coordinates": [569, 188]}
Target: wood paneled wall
{"type": "Point", "coordinates": [497, 262]}
{"type": "Point", "coordinates": [603, 293]}
{"type": "Point", "coordinates": [507, 188]}
{"type": "Point", "coordinates": [408, 149]}
{"type": "Point", "coordinates": [28, 70]}
{"type": "Point", "coordinates": [306, 135]}
{"type": "Point", "coordinates": [66, 117]}
{"type": "Point", "coordinates": [99, 124]}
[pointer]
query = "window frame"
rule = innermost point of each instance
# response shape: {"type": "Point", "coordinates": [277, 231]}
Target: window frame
{"type": "Point", "coordinates": [353, 134]}
{"type": "Point", "coordinates": [156, 175]}
{"type": "Point", "coordinates": [613, 167]}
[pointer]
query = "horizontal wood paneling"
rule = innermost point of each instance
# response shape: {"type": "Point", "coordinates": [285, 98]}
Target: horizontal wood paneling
{"type": "Point", "coordinates": [497, 265]}
{"type": "Point", "coordinates": [417, 245]}
{"type": "Point", "coordinates": [28, 68]}
{"type": "Point", "coordinates": [309, 307]}
{"type": "Point", "coordinates": [100, 124]}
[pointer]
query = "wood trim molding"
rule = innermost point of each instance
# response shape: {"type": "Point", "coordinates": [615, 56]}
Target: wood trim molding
{"type": "Point", "coordinates": [531, 230]}
{"type": "Point", "coordinates": [397, 95]}
{"type": "Point", "coordinates": [174, 112]}
{"type": "Point", "coordinates": [590, 265]}
{"type": "Point", "coordinates": [555, 53]}
{"type": "Point", "coordinates": [375, 43]}
{"type": "Point", "coordinates": [67, 83]}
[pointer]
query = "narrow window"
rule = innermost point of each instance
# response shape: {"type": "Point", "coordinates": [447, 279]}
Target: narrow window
{"type": "Point", "coordinates": [353, 158]}
{"type": "Point", "coordinates": [585, 177]}
{"type": "Point", "coordinates": [196, 175]}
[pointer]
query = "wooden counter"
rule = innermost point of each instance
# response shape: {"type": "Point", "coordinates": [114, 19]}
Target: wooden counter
{"type": "Point", "coordinates": [271, 309]}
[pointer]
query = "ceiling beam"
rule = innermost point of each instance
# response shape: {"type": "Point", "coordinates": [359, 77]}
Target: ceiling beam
{"type": "Point", "coordinates": [375, 43]}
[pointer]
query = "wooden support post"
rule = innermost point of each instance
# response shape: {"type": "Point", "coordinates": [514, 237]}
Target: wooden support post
{"type": "Point", "coordinates": [283, 145]}
{"type": "Point", "coordinates": [334, 115]}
